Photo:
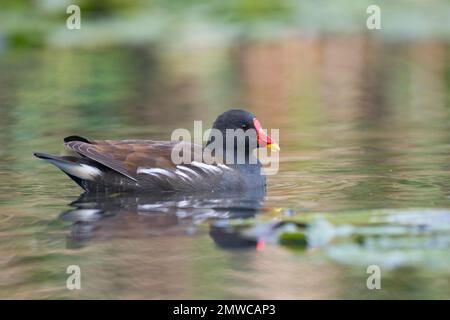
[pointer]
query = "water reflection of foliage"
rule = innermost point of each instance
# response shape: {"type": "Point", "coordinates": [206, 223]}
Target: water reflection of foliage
{"type": "Point", "coordinates": [109, 22]}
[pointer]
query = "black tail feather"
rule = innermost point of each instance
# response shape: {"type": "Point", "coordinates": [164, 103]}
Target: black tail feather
{"type": "Point", "coordinates": [76, 138]}
{"type": "Point", "coordinates": [47, 156]}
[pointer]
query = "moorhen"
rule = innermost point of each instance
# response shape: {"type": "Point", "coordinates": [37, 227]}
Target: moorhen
{"type": "Point", "coordinates": [147, 166]}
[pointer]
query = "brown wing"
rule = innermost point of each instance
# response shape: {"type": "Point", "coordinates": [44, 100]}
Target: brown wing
{"type": "Point", "coordinates": [126, 156]}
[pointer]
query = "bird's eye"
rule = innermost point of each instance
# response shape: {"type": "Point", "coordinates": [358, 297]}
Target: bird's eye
{"type": "Point", "coordinates": [244, 126]}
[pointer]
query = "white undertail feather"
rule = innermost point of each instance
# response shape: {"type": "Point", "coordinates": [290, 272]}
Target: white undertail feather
{"type": "Point", "coordinates": [79, 170]}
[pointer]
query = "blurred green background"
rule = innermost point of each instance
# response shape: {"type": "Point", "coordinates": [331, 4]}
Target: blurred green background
{"type": "Point", "coordinates": [26, 23]}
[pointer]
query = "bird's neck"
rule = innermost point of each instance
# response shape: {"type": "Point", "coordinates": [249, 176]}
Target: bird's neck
{"type": "Point", "coordinates": [233, 156]}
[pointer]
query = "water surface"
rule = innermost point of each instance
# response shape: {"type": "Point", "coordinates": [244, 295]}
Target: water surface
{"type": "Point", "coordinates": [365, 162]}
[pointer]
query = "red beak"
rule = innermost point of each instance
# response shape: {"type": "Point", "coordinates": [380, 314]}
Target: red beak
{"type": "Point", "coordinates": [263, 138]}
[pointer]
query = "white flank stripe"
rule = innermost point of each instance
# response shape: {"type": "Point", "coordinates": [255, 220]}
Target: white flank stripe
{"type": "Point", "coordinates": [206, 167]}
{"type": "Point", "coordinates": [155, 171]}
{"type": "Point", "coordinates": [182, 175]}
{"type": "Point", "coordinates": [188, 170]}
{"type": "Point", "coordinates": [225, 167]}
{"type": "Point", "coordinates": [82, 171]}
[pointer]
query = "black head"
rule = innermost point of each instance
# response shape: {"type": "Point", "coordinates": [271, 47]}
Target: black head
{"type": "Point", "coordinates": [234, 119]}
{"type": "Point", "coordinates": [237, 119]}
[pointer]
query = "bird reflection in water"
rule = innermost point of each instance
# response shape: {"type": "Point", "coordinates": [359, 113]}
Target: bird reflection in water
{"type": "Point", "coordinates": [102, 217]}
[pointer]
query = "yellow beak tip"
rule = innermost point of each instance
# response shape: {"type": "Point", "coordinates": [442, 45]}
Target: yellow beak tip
{"type": "Point", "coordinates": [273, 147]}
